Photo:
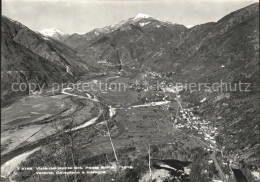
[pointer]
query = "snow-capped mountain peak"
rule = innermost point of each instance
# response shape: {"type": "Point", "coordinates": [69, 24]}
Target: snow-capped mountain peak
{"type": "Point", "coordinates": [189, 26]}
{"type": "Point", "coordinates": [51, 32]}
{"type": "Point", "coordinates": [140, 16]}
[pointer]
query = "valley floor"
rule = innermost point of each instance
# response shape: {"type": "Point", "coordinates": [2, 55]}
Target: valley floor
{"type": "Point", "coordinates": [76, 126]}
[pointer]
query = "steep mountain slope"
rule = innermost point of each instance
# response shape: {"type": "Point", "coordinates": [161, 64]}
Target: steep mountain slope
{"type": "Point", "coordinates": [27, 56]}
{"type": "Point", "coordinates": [227, 51]}
{"type": "Point", "coordinates": [230, 43]}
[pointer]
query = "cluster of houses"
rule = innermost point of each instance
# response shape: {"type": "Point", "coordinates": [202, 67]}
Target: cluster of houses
{"type": "Point", "coordinates": [152, 74]}
{"type": "Point", "coordinates": [203, 127]}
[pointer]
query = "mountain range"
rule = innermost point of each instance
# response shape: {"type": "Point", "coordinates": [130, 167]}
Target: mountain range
{"type": "Point", "coordinates": [143, 44]}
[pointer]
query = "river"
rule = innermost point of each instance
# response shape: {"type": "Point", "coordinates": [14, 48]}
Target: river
{"type": "Point", "coordinates": [11, 160]}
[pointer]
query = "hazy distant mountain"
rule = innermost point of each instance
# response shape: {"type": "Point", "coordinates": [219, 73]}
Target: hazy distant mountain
{"type": "Point", "coordinates": [130, 43]}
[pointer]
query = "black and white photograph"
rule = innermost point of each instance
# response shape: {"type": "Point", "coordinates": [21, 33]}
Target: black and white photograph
{"type": "Point", "coordinates": [130, 91]}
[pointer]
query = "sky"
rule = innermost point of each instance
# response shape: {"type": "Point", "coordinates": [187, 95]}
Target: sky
{"type": "Point", "coordinates": [81, 16]}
